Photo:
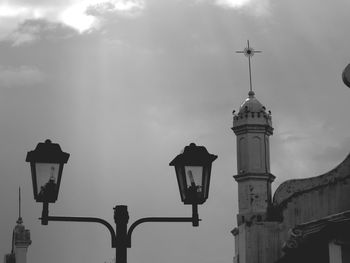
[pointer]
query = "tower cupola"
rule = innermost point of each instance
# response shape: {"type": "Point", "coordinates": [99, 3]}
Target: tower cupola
{"type": "Point", "coordinates": [251, 104]}
{"type": "Point", "coordinates": [251, 112]}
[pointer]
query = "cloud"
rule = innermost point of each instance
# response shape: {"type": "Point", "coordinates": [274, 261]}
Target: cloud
{"type": "Point", "coordinates": [86, 15]}
{"type": "Point", "coordinates": [16, 21]}
{"type": "Point", "coordinates": [309, 146]}
{"type": "Point", "coordinates": [81, 15]}
{"type": "Point", "coordinates": [334, 153]}
{"type": "Point", "coordinates": [33, 30]}
{"type": "Point", "coordinates": [108, 10]}
{"type": "Point", "coordinates": [122, 7]}
{"type": "Point", "coordinates": [23, 76]}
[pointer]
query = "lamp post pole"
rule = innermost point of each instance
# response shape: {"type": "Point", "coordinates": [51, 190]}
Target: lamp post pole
{"type": "Point", "coordinates": [121, 218]}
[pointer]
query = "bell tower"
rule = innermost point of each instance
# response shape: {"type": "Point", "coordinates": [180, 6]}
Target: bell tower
{"type": "Point", "coordinates": [252, 126]}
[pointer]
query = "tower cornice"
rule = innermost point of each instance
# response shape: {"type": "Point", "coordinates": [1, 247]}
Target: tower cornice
{"type": "Point", "coordinates": [256, 128]}
{"type": "Point", "coordinates": [255, 176]}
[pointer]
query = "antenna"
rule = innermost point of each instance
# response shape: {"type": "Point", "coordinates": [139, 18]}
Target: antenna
{"type": "Point", "coordinates": [249, 52]}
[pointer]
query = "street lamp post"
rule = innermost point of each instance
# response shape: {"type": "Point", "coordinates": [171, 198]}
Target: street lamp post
{"type": "Point", "coordinates": [193, 169]}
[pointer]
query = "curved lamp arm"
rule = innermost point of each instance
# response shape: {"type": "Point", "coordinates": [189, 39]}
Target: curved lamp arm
{"type": "Point", "coordinates": [194, 219]}
{"type": "Point", "coordinates": [45, 218]}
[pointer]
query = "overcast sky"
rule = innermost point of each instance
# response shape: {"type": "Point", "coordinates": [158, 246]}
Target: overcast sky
{"type": "Point", "coordinates": [124, 85]}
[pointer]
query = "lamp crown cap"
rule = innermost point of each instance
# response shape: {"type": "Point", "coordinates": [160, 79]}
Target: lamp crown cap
{"type": "Point", "coordinates": [47, 152]}
{"type": "Point", "coordinates": [193, 155]}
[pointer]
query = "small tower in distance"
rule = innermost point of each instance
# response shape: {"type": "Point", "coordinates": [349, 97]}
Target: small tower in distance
{"type": "Point", "coordinates": [20, 241]}
{"type": "Point", "coordinates": [253, 126]}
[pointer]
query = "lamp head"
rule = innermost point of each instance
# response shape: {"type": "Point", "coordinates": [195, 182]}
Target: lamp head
{"type": "Point", "coordinates": [46, 163]}
{"type": "Point", "coordinates": [193, 170]}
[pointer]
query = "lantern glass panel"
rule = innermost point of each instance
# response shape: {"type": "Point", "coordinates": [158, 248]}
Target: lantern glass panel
{"type": "Point", "coordinates": [194, 177]}
{"type": "Point", "coordinates": [194, 184]}
{"type": "Point", "coordinates": [46, 176]}
{"type": "Point", "coordinates": [206, 180]}
{"type": "Point", "coordinates": [181, 182]}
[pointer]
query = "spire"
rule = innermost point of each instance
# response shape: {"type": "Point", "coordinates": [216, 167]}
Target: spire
{"type": "Point", "coordinates": [249, 52]}
{"type": "Point", "coordinates": [19, 220]}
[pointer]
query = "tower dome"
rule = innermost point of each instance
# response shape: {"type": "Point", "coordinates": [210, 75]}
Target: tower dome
{"type": "Point", "coordinates": [252, 112]}
{"type": "Point", "coordinates": [251, 104]}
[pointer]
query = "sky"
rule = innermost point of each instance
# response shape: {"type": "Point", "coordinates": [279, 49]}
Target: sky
{"type": "Point", "coordinates": [125, 85]}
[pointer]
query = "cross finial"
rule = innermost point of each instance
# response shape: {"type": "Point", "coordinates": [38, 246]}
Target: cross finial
{"type": "Point", "coordinates": [249, 52]}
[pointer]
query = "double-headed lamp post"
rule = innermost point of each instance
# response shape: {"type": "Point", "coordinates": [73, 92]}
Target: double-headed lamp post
{"type": "Point", "coordinates": [193, 168]}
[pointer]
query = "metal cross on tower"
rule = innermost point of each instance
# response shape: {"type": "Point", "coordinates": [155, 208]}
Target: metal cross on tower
{"type": "Point", "coordinates": [249, 52]}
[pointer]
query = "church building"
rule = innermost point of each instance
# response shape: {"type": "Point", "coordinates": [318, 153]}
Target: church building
{"type": "Point", "coordinates": [305, 220]}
